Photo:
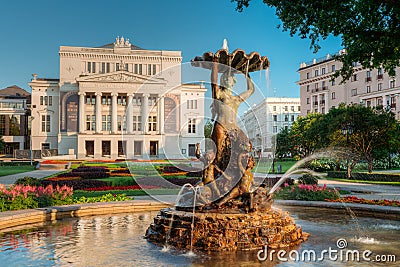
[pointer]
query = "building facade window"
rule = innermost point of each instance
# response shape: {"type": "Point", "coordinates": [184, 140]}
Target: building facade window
{"type": "Point", "coordinates": [368, 79]}
{"type": "Point", "coordinates": [275, 117]}
{"type": "Point", "coordinates": [91, 67]}
{"type": "Point", "coordinates": [354, 92]}
{"type": "Point", "coordinates": [368, 89]}
{"type": "Point", "coordinates": [333, 68]}
{"type": "Point", "coordinates": [90, 122]}
{"type": "Point", "coordinates": [106, 122]}
{"type": "Point", "coordinates": [274, 129]}
{"type": "Point", "coordinates": [379, 86]}
{"type": "Point", "coordinates": [90, 99]}
{"type": "Point", "coordinates": [137, 123]}
{"type": "Point", "coordinates": [308, 75]}
{"type": "Point", "coordinates": [333, 95]}
{"type": "Point", "coordinates": [121, 100]}
{"type": "Point", "coordinates": [274, 108]}
{"type": "Point", "coordinates": [286, 117]}
{"type": "Point", "coordinates": [46, 100]}
{"type": "Point", "coordinates": [46, 123]}
{"type": "Point", "coordinates": [292, 108]}
{"type": "Point", "coordinates": [298, 108]}
{"type": "Point", "coordinates": [121, 123]}
{"type": "Point", "coordinates": [152, 123]}
{"type": "Point", "coordinates": [106, 100]}
{"type": "Point", "coordinates": [316, 73]}
{"type": "Point", "coordinates": [152, 100]}
{"type": "Point", "coordinates": [292, 118]}
{"type": "Point", "coordinates": [323, 71]}
{"type": "Point", "coordinates": [138, 69]}
{"type": "Point", "coordinates": [354, 78]}
{"type": "Point", "coordinates": [286, 108]}
{"type": "Point", "coordinates": [392, 84]}
{"type": "Point", "coordinates": [192, 125]}
{"type": "Point", "coordinates": [137, 100]}
{"type": "Point", "coordinates": [333, 82]}
{"type": "Point", "coordinates": [191, 104]}
{"type": "Point", "coordinates": [308, 88]}
{"type": "Point", "coordinates": [380, 73]}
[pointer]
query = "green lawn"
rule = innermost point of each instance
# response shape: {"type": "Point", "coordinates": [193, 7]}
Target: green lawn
{"type": "Point", "coordinates": [264, 167]}
{"type": "Point", "coordinates": [7, 170]}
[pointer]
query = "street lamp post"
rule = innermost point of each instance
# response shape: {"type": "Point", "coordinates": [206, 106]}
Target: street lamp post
{"type": "Point", "coordinates": [347, 131]}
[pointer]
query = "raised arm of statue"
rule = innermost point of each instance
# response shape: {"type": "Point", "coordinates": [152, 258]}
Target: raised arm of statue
{"type": "Point", "coordinates": [250, 89]}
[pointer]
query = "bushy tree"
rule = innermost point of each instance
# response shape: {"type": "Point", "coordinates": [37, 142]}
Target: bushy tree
{"type": "Point", "coordinates": [306, 134]}
{"type": "Point", "coordinates": [369, 29]}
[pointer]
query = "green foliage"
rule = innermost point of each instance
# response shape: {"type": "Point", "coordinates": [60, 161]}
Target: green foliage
{"type": "Point", "coordinates": [369, 29]}
{"type": "Point", "coordinates": [321, 165]}
{"type": "Point", "coordinates": [308, 179]}
{"type": "Point", "coordinates": [306, 134]}
{"type": "Point", "coordinates": [103, 198]}
{"type": "Point", "coordinates": [363, 176]}
{"type": "Point", "coordinates": [284, 147]}
{"type": "Point", "coordinates": [29, 197]}
{"type": "Point", "coordinates": [28, 181]}
{"type": "Point", "coordinates": [18, 163]}
{"type": "Point", "coordinates": [306, 192]}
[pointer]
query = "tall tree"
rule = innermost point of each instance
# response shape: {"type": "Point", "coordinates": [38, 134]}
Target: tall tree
{"type": "Point", "coordinates": [369, 29]}
{"type": "Point", "coordinates": [306, 134]}
{"type": "Point", "coordinates": [372, 130]}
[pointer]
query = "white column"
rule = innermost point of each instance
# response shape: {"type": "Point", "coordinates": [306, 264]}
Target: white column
{"type": "Point", "coordinates": [384, 101]}
{"type": "Point", "coordinates": [319, 104]}
{"type": "Point", "coordinates": [312, 103]}
{"type": "Point", "coordinates": [326, 102]}
{"type": "Point", "coordinates": [161, 114]}
{"type": "Point", "coordinates": [114, 117]}
{"type": "Point", "coordinates": [129, 114]}
{"type": "Point", "coordinates": [81, 112]}
{"type": "Point", "coordinates": [98, 112]}
{"type": "Point", "coordinates": [145, 108]}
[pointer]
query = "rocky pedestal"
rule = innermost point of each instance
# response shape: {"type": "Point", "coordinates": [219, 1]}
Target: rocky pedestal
{"type": "Point", "coordinates": [224, 231]}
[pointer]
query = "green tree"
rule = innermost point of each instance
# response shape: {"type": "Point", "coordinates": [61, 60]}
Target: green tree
{"type": "Point", "coordinates": [307, 134]}
{"type": "Point", "coordinates": [372, 130]}
{"type": "Point", "coordinates": [369, 29]}
{"type": "Point", "coordinates": [283, 146]}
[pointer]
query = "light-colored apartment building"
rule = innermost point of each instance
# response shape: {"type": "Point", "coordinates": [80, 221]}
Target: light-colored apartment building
{"type": "Point", "coordinates": [117, 100]}
{"type": "Point", "coordinates": [267, 118]}
{"type": "Point", "coordinates": [14, 119]}
{"type": "Point", "coordinates": [319, 93]}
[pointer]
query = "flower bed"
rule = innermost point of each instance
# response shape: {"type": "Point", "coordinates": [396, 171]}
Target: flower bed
{"type": "Point", "coordinates": [66, 178]}
{"type": "Point", "coordinates": [29, 197]}
{"type": "Point", "coordinates": [129, 187]}
{"type": "Point", "coordinates": [306, 192]}
{"type": "Point", "coordinates": [354, 199]}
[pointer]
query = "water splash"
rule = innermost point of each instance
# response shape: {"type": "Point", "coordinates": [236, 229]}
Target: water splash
{"type": "Point", "coordinates": [178, 197]}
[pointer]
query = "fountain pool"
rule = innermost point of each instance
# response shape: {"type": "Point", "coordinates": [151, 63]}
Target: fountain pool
{"type": "Point", "coordinates": [117, 240]}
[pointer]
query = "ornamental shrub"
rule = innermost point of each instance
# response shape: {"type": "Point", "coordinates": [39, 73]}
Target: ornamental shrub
{"type": "Point", "coordinates": [308, 179]}
{"type": "Point", "coordinates": [28, 181]}
{"type": "Point", "coordinates": [306, 192]}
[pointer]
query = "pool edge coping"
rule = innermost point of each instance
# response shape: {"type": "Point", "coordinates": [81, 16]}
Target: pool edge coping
{"type": "Point", "coordinates": [13, 219]}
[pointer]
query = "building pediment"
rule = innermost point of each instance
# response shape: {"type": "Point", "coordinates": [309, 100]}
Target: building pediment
{"type": "Point", "coordinates": [121, 76]}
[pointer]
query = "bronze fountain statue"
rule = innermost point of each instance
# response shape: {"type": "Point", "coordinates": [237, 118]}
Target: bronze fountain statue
{"type": "Point", "coordinates": [226, 210]}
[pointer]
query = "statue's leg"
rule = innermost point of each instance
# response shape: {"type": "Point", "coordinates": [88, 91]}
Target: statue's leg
{"type": "Point", "coordinates": [231, 195]}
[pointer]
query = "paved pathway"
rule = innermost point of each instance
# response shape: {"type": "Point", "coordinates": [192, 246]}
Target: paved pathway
{"type": "Point", "coordinates": [10, 179]}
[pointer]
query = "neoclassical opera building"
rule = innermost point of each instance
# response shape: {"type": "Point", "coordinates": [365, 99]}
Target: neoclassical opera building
{"type": "Point", "coordinates": [116, 101]}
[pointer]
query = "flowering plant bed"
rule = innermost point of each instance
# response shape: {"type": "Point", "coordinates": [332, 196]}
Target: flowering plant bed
{"type": "Point", "coordinates": [29, 197]}
{"type": "Point", "coordinates": [306, 192]}
{"type": "Point", "coordinates": [66, 178]}
{"type": "Point", "coordinates": [354, 199]}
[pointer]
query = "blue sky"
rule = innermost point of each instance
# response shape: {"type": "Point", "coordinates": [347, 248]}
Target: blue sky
{"type": "Point", "coordinates": [32, 32]}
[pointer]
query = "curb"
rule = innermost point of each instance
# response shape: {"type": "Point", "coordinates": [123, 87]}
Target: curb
{"type": "Point", "coordinates": [13, 219]}
{"type": "Point", "coordinates": [361, 209]}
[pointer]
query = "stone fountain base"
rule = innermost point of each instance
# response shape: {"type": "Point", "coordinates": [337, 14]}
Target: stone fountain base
{"type": "Point", "coordinates": [226, 232]}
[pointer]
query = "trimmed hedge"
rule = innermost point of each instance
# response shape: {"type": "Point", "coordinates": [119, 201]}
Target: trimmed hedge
{"type": "Point", "coordinates": [363, 176]}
